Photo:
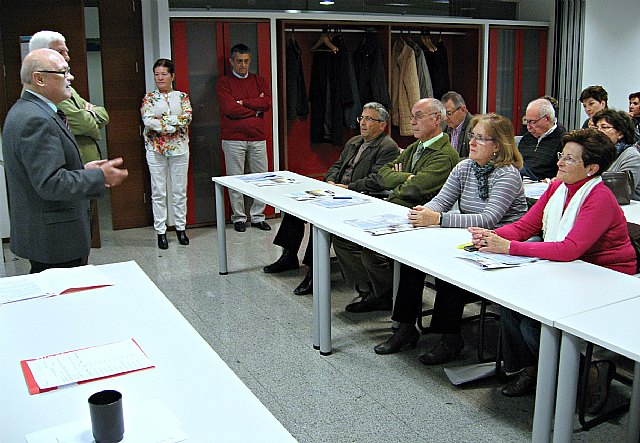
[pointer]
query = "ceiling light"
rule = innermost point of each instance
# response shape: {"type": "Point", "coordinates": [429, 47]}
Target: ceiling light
{"type": "Point", "coordinates": [326, 2]}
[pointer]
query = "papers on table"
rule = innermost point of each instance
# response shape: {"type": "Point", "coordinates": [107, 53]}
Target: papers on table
{"type": "Point", "coordinates": [339, 201]}
{"type": "Point", "coordinates": [488, 260]}
{"type": "Point", "coordinates": [83, 365]}
{"type": "Point", "coordinates": [535, 189]}
{"type": "Point", "coordinates": [310, 195]}
{"type": "Point", "coordinates": [382, 224]}
{"type": "Point", "coordinates": [266, 179]}
{"type": "Point", "coordinates": [149, 422]}
{"type": "Point", "coordinates": [51, 282]}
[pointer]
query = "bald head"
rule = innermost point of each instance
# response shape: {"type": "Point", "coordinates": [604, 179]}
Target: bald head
{"type": "Point", "coordinates": [44, 71]}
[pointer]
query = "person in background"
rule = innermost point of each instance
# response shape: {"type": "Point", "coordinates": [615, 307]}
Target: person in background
{"type": "Point", "coordinates": [594, 99]}
{"type": "Point", "coordinates": [244, 98]}
{"type": "Point", "coordinates": [541, 144]}
{"type": "Point", "coordinates": [414, 178]}
{"type": "Point", "coordinates": [84, 118]}
{"type": "Point", "coordinates": [618, 126]}
{"type": "Point", "coordinates": [634, 112]}
{"type": "Point", "coordinates": [457, 119]}
{"type": "Point", "coordinates": [356, 169]}
{"type": "Point", "coordinates": [579, 219]}
{"type": "Point", "coordinates": [49, 185]}
{"type": "Point", "coordinates": [490, 193]}
{"type": "Point", "coordinates": [166, 114]}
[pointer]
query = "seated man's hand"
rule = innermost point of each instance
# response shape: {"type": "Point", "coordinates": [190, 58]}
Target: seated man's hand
{"type": "Point", "coordinates": [397, 167]}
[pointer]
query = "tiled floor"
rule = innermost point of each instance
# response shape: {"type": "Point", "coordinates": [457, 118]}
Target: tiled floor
{"type": "Point", "coordinates": [263, 332]}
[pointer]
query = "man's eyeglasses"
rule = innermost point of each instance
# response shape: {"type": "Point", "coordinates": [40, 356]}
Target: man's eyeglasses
{"type": "Point", "coordinates": [481, 140]}
{"type": "Point", "coordinates": [420, 115]}
{"type": "Point", "coordinates": [450, 113]}
{"type": "Point", "coordinates": [567, 159]}
{"type": "Point", "coordinates": [368, 119]}
{"type": "Point", "coordinates": [65, 72]}
{"type": "Point", "coordinates": [527, 122]}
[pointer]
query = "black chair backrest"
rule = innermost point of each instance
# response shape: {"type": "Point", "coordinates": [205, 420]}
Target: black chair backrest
{"type": "Point", "coordinates": [634, 235]}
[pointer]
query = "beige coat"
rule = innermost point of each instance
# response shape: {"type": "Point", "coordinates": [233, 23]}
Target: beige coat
{"type": "Point", "coordinates": [405, 89]}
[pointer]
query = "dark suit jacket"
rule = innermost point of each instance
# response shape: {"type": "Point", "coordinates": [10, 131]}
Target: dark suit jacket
{"type": "Point", "coordinates": [364, 177]}
{"type": "Point", "coordinates": [49, 189]}
{"type": "Point", "coordinates": [463, 140]}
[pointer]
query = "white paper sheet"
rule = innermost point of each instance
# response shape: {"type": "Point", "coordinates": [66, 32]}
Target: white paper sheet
{"type": "Point", "coordinates": [88, 364]}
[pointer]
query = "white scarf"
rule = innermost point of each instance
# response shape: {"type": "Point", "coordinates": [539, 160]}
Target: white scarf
{"type": "Point", "coordinates": [555, 224]}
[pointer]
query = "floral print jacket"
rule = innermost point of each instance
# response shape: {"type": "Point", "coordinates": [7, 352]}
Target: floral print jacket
{"type": "Point", "coordinates": [166, 118]}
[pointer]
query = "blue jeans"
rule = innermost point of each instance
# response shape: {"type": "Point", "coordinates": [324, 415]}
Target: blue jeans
{"type": "Point", "coordinates": [520, 340]}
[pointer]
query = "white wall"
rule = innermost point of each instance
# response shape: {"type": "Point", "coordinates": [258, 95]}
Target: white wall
{"type": "Point", "coordinates": [611, 48]}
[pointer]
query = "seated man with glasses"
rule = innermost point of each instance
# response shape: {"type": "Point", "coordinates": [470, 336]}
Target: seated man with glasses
{"type": "Point", "coordinates": [414, 178]}
{"type": "Point", "coordinates": [457, 121]}
{"type": "Point", "coordinates": [356, 169]}
{"type": "Point", "coordinates": [540, 145]}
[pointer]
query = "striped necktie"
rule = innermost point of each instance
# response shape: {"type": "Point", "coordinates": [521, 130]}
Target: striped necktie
{"type": "Point", "coordinates": [417, 155]}
{"type": "Point", "coordinates": [63, 117]}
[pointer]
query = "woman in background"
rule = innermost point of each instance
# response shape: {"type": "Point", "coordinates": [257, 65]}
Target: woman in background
{"type": "Point", "coordinates": [166, 114]}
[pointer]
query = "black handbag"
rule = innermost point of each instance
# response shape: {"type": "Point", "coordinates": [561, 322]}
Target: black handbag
{"type": "Point", "coordinates": [621, 184]}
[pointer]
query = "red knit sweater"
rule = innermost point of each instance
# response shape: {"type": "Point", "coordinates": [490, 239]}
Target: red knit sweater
{"type": "Point", "coordinates": [243, 121]}
{"type": "Point", "coordinates": [599, 235]}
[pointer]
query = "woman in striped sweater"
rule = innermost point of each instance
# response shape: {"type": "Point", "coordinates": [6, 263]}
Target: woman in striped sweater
{"type": "Point", "coordinates": [490, 193]}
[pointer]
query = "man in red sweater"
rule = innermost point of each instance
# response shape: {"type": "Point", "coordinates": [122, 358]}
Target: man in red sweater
{"type": "Point", "coordinates": [244, 98]}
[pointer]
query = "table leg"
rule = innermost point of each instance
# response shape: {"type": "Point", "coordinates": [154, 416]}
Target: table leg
{"type": "Point", "coordinates": [545, 393]}
{"type": "Point", "coordinates": [634, 407]}
{"type": "Point", "coordinates": [220, 228]}
{"type": "Point", "coordinates": [321, 265]}
{"type": "Point", "coordinates": [396, 284]}
{"type": "Point", "coordinates": [567, 387]}
{"type": "Point", "coordinates": [316, 292]}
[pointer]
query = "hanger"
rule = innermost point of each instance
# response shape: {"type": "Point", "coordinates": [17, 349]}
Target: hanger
{"type": "Point", "coordinates": [291, 37]}
{"type": "Point", "coordinates": [324, 44]}
{"type": "Point", "coordinates": [426, 41]}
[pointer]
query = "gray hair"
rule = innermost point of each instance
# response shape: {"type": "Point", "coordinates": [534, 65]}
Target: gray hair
{"type": "Point", "coordinates": [456, 98]}
{"type": "Point", "coordinates": [35, 61]}
{"type": "Point", "coordinates": [436, 106]}
{"type": "Point", "coordinates": [382, 112]}
{"type": "Point", "coordinates": [544, 107]}
{"type": "Point", "coordinates": [43, 39]}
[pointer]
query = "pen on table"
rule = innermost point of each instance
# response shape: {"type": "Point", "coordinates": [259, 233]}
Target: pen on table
{"type": "Point", "coordinates": [270, 175]}
{"type": "Point", "coordinates": [342, 198]}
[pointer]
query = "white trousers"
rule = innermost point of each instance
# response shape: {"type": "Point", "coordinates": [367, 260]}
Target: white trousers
{"type": "Point", "coordinates": [235, 153]}
{"type": "Point", "coordinates": [176, 168]}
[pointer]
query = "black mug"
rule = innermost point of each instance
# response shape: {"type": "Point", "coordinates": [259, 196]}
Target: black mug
{"type": "Point", "coordinates": [107, 420]}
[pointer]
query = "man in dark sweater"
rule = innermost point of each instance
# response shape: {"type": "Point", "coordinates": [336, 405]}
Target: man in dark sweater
{"type": "Point", "coordinates": [540, 145]}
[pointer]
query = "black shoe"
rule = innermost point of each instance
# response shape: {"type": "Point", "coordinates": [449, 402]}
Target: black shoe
{"type": "Point", "coordinates": [598, 392]}
{"type": "Point", "coordinates": [240, 226]}
{"type": "Point", "coordinates": [263, 226]}
{"type": "Point", "coordinates": [162, 241]}
{"type": "Point", "coordinates": [182, 237]}
{"type": "Point", "coordinates": [407, 334]}
{"type": "Point", "coordinates": [306, 287]}
{"type": "Point", "coordinates": [523, 384]}
{"type": "Point", "coordinates": [370, 303]}
{"type": "Point", "coordinates": [287, 262]}
{"type": "Point", "coordinates": [447, 349]}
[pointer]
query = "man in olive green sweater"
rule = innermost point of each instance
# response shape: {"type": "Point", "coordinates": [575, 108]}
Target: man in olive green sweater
{"type": "Point", "coordinates": [414, 178]}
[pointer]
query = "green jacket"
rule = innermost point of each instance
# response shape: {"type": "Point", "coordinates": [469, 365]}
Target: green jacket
{"type": "Point", "coordinates": [430, 173]}
{"type": "Point", "coordinates": [84, 125]}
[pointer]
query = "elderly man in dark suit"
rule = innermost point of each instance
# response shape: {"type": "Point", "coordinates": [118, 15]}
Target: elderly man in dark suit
{"type": "Point", "coordinates": [49, 187]}
{"type": "Point", "coordinates": [457, 120]}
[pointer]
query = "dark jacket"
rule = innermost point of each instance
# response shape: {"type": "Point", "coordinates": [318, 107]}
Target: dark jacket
{"type": "Point", "coordinates": [297, 102]}
{"type": "Point", "coordinates": [463, 140]}
{"type": "Point", "coordinates": [371, 73]}
{"type": "Point", "coordinates": [364, 177]}
{"type": "Point", "coordinates": [49, 189]}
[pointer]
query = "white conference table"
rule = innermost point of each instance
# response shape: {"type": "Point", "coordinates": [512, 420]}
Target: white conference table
{"type": "Point", "coordinates": [614, 327]}
{"type": "Point", "coordinates": [189, 379]}
{"type": "Point", "coordinates": [544, 291]}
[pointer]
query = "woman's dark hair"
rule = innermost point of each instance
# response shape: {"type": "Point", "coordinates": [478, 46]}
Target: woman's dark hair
{"type": "Point", "coordinates": [597, 148]}
{"type": "Point", "coordinates": [620, 121]}
{"type": "Point", "coordinates": [597, 92]}
{"type": "Point", "coordinates": [165, 63]}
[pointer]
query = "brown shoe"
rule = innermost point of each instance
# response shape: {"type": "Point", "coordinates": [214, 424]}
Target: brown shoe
{"type": "Point", "coordinates": [523, 384]}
